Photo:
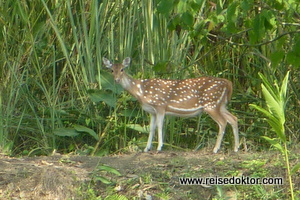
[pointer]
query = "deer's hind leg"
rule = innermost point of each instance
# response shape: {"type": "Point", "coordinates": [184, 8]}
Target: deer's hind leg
{"type": "Point", "coordinates": [218, 117]}
{"type": "Point", "coordinates": [232, 120]}
{"type": "Point", "coordinates": [152, 132]}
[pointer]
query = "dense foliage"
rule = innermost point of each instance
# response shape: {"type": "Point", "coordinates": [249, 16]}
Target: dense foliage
{"type": "Point", "coordinates": [55, 93]}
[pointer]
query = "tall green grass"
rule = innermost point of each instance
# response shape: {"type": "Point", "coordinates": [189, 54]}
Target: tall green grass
{"type": "Point", "coordinates": [52, 80]}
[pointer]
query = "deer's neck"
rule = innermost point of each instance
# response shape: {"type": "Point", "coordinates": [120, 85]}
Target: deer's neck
{"type": "Point", "coordinates": [132, 85]}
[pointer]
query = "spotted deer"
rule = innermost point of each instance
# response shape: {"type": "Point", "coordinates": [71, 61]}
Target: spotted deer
{"type": "Point", "coordinates": [184, 98]}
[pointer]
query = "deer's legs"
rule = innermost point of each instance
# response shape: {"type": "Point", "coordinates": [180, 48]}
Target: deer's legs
{"type": "Point", "coordinates": [217, 116]}
{"type": "Point", "coordinates": [152, 131]}
{"type": "Point", "coordinates": [232, 120]}
{"type": "Point", "coordinates": [160, 122]}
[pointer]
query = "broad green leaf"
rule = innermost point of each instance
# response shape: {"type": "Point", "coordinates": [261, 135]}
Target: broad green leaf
{"type": "Point", "coordinates": [195, 7]}
{"type": "Point", "coordinates": [293, 58]}
{"type": "Point", "coordinates": [211, 25]}
{"type": "Point", "coordinates": [279, 147]}
{"type": "Point", "coordinates": [109, 169]}
{"type": "Point", "coordinates": [262, 110]}
{"type": "Point", "coordinates": [200, 2]}
{"type": "Point", "coordinates": [220, 7]}
{"type": "Point", "coordinates": [116, 197]}
{"type": "Point", "coordinates": [188, 19]}
{"type": "Point", "coordinates": [165, 6]}
{"type": "Point", "coordinates": [103, 180]}
{"type": "Point", "coordinates": [129, 112]}
{"type": "Point", "coordinates": [232, 12]}
{"type": "Point", "coordinates": [231, 27]}
{"type": "Point", "coordinates": [274, 142]}
{"type": "Point", "coordinates": [70, 132]}
{"type": "Point", "coordinates": [174, 22]}
{"type": "Point", "coordinates": [258, 29]}
{"type": "Point", "coordinates": [80, 128]}
{"type": "Point", "coordinates": [276, 57]}
{"type": "Point", "coordinates": [273, 104]}
{"type": "Point", "coordinates": [108, 83]}
{"type": "Point", "coordinates": [268, 85]}
{"type": "Point", "coordinates": [283, 89]}
{"type": "Point", "coordinates": [269, 19]}
{"type": "Point", "coordinates": [246, 5]}
{"type": "Point", "coordinates": [101, 95]}
{"type": "Point", "coordinates": [273, 121]}
{"type": "Point", "coordinates": [296, 46]}
{"type": "Point", "coordinates": [139, 128]}
{"type": "Point", "coordinates": [278, 5]}
{"type": "Point", "coordinates": [295, 168]}
{"type": "Point", "coordinates": [181, 6]}
{"type": "Point", "coordinates": [278, 128]}
{"type": "Point", "coordinates": [161, 66]}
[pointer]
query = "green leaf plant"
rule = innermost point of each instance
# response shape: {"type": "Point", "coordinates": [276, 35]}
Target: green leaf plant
{"type": "Point", "coordinates": [276, 99]}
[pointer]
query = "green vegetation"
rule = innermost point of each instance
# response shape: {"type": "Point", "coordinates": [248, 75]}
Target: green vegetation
{"type": "Point", "coordinates": [276, 101]}
{"type": "Point", "coordinates": [56, 96]}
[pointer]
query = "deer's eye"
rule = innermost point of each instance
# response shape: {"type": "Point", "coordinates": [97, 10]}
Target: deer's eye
{"type": "Point", "coordinates": [112, 71]}
{"type": "Point", "coordinates": [122, 69]}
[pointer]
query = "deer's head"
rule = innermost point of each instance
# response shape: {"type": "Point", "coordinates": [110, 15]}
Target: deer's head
{"type": "Point", "coordinates": [117, 69]}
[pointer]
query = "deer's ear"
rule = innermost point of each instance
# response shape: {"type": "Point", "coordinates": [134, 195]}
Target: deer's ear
{"type": "Point", "coordinates": [126, 62]}
{"type": "Point", "coordinates": [107, 63]}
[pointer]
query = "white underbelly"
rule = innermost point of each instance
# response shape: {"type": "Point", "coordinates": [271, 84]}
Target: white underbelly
{"type": "Point", "coordinates": [148, 108]}
{"type": "Point", "coordinates": [184, 112]}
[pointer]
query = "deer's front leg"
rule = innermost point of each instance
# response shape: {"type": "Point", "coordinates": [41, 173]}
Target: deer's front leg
{"type": "Point", "coordinates": [160, 123]}
{"type": "Point", "coordinates": [152, 131]}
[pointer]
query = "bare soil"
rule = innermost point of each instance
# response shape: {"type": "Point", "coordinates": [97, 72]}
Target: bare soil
{"type": "Point", "coordinates": [143, 175]}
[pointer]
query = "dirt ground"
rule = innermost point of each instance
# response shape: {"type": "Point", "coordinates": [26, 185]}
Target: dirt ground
{"type": "Point", "coordinates": [143, 175]}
